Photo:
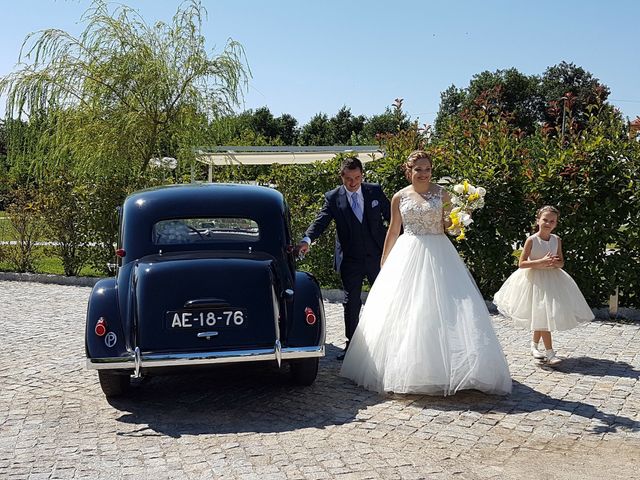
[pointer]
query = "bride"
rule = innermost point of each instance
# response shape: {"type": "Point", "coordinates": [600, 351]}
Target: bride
{"type": "Point", "coordinates": [425, 327]}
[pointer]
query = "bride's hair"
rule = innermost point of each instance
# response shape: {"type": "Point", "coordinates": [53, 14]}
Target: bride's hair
{"type": "Point", "coordinates": [411, 161]}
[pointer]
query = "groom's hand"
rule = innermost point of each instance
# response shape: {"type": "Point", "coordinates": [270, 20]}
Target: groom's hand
{"type": "Point", "coordinates": [302, 249]}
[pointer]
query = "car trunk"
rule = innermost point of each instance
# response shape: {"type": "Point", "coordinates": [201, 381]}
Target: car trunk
{"type": "Point", "coordinates": [188, 303]}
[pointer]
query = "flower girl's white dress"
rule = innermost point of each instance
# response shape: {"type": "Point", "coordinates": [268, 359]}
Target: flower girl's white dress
{"type": "Point", "coordinates": [542, 298]}
{"type": "Point", "coordinates": [425, 327]}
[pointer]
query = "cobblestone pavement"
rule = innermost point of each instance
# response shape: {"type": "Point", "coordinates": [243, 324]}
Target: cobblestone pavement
{"type": "Point", "coordinates": [577, 421]}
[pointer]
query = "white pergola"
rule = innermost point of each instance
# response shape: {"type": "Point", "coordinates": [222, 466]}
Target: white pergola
{"type": "Point", "coordinates": [238, 155]}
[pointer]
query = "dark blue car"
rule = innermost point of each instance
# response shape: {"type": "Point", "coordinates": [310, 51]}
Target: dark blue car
{"type": "Point", "coordinates": [205, 276]}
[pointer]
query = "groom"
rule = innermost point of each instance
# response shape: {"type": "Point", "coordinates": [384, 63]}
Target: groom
{"type": "Point", "coordinates": [360, 211]}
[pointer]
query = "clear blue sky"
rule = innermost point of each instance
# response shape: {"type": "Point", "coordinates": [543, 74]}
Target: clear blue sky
{"type": "Point", "coordinates": [310, 57]}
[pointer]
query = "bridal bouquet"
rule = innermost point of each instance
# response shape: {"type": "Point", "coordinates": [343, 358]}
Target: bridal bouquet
{"type": "Point", "coordinates": [465, 198]}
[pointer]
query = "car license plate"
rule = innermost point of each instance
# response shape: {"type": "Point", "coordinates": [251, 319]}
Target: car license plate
{"type": "Point", "coordinates": [206, 318]}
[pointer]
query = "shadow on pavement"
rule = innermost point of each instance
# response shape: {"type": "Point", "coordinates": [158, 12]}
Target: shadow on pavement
{"type": "Point", "coordinates": [524, 399]}
{"type": "Point", "coordinates": [261, 398]}
{"type": "Point", "coordinates": [597, 367]}
{"type": "Point", "coordinates": [242, 398]}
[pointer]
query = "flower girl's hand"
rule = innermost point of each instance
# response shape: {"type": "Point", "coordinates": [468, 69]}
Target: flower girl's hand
{"type": "Point", "coordinates": [548, 260]}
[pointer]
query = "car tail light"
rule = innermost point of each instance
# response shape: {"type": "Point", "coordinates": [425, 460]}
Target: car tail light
{"type": "Point", "coordinates": [309, 316]}
{"type": "Point", "coordinates": [101, 327]}
{"type": "Point", "coordinates": [120, 252]}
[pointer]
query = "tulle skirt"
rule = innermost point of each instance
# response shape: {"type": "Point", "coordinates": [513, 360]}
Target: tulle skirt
{"type": "Point", "coordinates": [542, 299]}
{"type": "Point", "coordinates": [425, 328]}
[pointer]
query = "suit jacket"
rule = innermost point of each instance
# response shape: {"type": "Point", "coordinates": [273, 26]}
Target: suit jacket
{"type": "Point", "coordinates": [377, 211]}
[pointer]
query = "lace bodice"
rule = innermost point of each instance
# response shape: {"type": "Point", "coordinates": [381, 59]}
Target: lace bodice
{"type": "Point", "coordinates": [422, 216]}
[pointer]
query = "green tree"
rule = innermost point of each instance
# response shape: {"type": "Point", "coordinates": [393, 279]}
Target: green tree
{"type": "Point", "coordinates": [511, 92]}
{"type": "Point", "coordinates": [345, 127]}
{"type": "Point", "coordinates": [24, 215]}
{"type": "Point", "coordinates": [287, 129]}
{"type": "Point", "coordinates": [251, 127]}
{"type": "Point", "coordinates": [4, 164]}
{"type": "Point", "coordinates": [563, 91]}
{"type": "Point", "coordinates": [263, 123]}
{"type": "Point", "coordinates": [66, 220]}
{"type": "Point", "coordinates": [317, 131]}
{"type": "Point", "coordinates": [392, 120]}
{"type": "Point", "coordinates": [124, 91]}
{"type": "Point", "coordinates": [281, 129]}
{"type": "Point", "coordinates": [452, 102]}
{"type": "Point", "coordinates": [3, 139]}
{"type": "Point", "coordinates": [566, 91]}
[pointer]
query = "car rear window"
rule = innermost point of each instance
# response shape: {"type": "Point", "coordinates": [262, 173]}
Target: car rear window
{"type": "Point", "coordinates": [183, 231]}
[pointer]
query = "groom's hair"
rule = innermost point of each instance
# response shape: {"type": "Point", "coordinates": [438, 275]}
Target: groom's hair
{"type": "Point", "coordinates": [350, 163]}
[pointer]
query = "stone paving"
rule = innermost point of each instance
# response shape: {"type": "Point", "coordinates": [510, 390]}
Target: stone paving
{"type": "Point", "coordinates": [579, 420]}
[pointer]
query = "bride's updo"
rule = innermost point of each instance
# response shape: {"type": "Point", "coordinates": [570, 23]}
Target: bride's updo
{"type": "Point", "coordinates": [412, 159]}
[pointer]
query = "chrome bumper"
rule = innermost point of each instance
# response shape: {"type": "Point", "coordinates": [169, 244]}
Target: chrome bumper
{"type": "Point", "coordinates": [137, 360]}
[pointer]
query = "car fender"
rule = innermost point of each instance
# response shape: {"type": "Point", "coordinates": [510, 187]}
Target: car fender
{"type": "Point", "coordinates": [103, 304]}
{"type": "Point", "coordinates": [307, 294]}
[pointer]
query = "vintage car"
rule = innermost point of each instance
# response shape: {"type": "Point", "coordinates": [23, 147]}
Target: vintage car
{"type": "Point", "coordinates": [206, 275]}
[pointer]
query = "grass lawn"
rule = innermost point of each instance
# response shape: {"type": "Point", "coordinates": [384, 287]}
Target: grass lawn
{"type": "Point", "coordinates": [5, 228]}
{"type": "Point", "coordinates": [44, 263]}
{"type": "Point", "coordinates": [50, 264]}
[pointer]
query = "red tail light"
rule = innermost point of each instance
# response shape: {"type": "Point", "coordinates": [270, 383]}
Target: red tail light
{"type": "Point", "coordinates": [120, 252]}
{"type": "Point", "coordinates": [309, 316]}
{"type": "Point", "coordinates": [101, 327]}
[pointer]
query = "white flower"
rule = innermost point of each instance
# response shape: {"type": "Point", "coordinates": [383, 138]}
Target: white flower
{"type": "Point", "coordinates": [465, 198]}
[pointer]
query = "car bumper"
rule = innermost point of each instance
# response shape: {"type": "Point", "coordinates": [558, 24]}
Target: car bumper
{"type": "Point", "coordinates": [138, 361]}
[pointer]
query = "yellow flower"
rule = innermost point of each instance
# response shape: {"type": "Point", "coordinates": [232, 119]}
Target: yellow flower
{"type": "Point", "coordinates": [474, 196]}
{"type": "Point", "coordinates": [461, 236]}
{"type": "Point", "coordinates": [465, 186]}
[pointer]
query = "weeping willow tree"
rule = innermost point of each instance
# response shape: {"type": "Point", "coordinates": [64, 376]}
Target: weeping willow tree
{"type": "Point", "coordinates": [123, 91]}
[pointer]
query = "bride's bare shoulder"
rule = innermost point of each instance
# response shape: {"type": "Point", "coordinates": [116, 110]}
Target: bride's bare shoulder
{"type": "Point", "coordinates": [403, 192]}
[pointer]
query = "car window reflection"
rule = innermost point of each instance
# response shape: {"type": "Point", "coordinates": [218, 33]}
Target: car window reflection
{"type": "Point", "coordinates": [204, 230]}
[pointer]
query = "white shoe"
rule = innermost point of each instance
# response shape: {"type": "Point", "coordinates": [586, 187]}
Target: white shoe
{"type": "Point", "coordinates": [552, 358]}
{"type": "Point", "coordinates": [537, 354]}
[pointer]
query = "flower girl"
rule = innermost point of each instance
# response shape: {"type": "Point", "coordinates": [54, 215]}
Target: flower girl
{"type": "Point", "coordinates": [540, 296]}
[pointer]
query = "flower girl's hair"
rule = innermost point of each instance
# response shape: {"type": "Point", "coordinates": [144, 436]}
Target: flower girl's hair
{"type": "Point", "coordinates": [540, 211]}
{"type": "Point", "coordinates": [411, 161]}
{"type": "Point", "coordinates": [547, 208]}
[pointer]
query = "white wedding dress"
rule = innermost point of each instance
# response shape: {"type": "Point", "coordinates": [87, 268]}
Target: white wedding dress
{"type": "Point", "coordinates": [425, 327]}
{"type": "Point", "coordinates": [545, 299]}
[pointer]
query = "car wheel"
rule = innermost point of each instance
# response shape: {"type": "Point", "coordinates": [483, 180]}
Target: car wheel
{"type": "Point", "coordinates": [304, 372]}
{"type": "Point", "coordinates": [114, 384]}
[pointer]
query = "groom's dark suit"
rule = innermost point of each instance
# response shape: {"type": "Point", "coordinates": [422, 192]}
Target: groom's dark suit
{"type": "Point", "coordinates": [361, 243]}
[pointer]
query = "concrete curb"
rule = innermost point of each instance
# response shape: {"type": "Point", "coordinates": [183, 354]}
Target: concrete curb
{"type": "Point", "coordinates": [333, 295]}
{"type": "Point", "coordinates": [49, 278]}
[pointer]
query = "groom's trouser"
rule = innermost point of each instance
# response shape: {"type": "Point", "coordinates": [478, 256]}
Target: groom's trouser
{"type": "Point", "coordinates": [352, 273]}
